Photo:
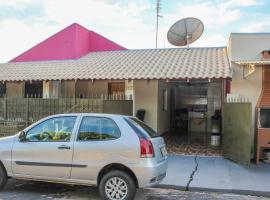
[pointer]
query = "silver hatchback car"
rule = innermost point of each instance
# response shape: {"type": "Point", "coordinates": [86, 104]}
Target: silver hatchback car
{"type": "Point", "coordinates": [114, 152]}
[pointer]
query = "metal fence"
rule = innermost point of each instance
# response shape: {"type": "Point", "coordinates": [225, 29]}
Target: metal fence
{"type": "Point", "coordinates": [18, 112]}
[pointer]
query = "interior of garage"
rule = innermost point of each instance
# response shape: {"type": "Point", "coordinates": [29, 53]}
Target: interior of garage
{"type": "Point", "coordinates": [195, 125]}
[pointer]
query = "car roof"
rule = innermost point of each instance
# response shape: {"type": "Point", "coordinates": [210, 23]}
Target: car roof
{"type": "Point", "coordinates": [90, 114]}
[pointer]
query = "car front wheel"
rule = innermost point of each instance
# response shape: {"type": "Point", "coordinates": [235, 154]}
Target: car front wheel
{"type": "Point", "coordinates": [117, 185]}
{"type": "Point", "coordinates": [3, 177]}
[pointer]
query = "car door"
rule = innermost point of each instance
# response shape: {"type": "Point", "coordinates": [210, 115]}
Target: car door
{"type": "Point", "coordinates": [47, 150]}
{"type": "Point", "coordinates": [96, 144]}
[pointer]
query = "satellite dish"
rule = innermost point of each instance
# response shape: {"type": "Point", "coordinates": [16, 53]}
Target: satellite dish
{"type": "Point", "coordinates": [185, 31]}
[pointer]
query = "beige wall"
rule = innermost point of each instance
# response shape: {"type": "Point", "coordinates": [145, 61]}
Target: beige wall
{"type": "Point", "coordinates": [249, 88]}
{"type": "Point", "coordinates": [67, 89]}
{"type": "Point", "coordinates": [148, 95]}
{"type": "Point", "coordinates": [86, 87]}
{"type": "Point", "coordinates": [247, 47]}
{"type": "Point", "coordinates": [81, 87]}
{"type": "Point", "coordinates": [15, 89]}
{"type": "Point", "coordinates": [145, 97]}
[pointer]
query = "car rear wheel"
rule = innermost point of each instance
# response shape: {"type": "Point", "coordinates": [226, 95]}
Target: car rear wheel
{"type": "Point", "coordinates": [3, 177]}
{"type": "Point", "coordinates": [117, 185]}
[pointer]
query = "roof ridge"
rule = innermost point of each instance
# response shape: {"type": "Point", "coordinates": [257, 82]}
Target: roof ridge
{"type": "Point", "coordinates": [152, 49]}
{"type": "Point", "coordinates": [114, 51]}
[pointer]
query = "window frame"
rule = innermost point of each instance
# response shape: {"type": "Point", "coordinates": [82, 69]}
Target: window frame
{"type": "Point", "coordinates": [72, 133]}
{"type": "Point", "coordinates": [96, 140]}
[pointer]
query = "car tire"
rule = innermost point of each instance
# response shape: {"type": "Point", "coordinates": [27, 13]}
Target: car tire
{"type": "Point", "coordinates": [3, 177]}
{"type": "Point", "coordinates": [122, 180]}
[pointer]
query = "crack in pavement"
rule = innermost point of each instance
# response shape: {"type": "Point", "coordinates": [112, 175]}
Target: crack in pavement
{"type": "Point", "coordinates": [192, 173]}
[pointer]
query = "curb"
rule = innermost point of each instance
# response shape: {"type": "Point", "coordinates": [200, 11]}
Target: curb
{"type": "Point", "coordinates": [201, 189]}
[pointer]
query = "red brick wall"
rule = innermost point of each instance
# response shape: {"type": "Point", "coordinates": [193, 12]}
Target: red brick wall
{"type": "Point", "coordinates": [264, 100]}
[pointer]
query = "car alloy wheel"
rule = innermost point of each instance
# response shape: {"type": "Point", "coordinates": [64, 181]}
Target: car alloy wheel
{"type": "Point", "coordinates": [116, 188]}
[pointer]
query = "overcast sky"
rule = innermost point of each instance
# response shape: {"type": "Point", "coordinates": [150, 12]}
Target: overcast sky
{"type": "Point", "coordinates": [131, 23]}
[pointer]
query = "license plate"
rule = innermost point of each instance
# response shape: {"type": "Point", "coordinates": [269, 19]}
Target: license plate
{"type": "Point", "coordinates": [163, 151]}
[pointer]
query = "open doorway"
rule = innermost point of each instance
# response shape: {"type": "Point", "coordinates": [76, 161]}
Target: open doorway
{"type": "Point", "coordinates": [195, 125]}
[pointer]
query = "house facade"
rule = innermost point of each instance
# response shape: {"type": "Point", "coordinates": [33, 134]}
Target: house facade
{"type": "Point", "coordinates": [153, 78]}
{"type": "Point", "coordinates": [181, 90]}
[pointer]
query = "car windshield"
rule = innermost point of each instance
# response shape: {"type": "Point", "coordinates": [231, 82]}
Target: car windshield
{"type": "Point", "coordinates": [138, 123]}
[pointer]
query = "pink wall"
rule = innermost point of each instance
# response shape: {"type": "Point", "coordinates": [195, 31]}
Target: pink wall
{"type": "Point", "coordinates": [72, 42]}
{"type": "Point", "coordinates": [100, 43]}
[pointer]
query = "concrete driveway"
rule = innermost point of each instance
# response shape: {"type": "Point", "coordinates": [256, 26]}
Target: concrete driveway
{"type": "Point", "coordinates": [217, 174]}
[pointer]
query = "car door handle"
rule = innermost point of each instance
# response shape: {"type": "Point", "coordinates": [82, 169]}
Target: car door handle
{"type": "Point", "coordinates": [64, 147]}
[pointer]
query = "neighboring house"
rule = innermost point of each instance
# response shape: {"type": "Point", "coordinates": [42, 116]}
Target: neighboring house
{"type": "Point", "coordinates": [73, 42]}
{"type": "Point", "coordinates": [249, 54]}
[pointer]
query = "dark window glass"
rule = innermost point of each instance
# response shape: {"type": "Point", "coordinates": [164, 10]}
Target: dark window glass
{"type": "Point", "coordinates": [2, 89]}
{"type": "Point", "coordinates": [265, 118]}
{"type": "Point", "coordinates": [98, 128]}
{"type": "Point", "coordinates": [33, 89]}
{"type": "Point", "coordinates": [142, 127]}
{"type": "Point", "coordinates": [52, 130]}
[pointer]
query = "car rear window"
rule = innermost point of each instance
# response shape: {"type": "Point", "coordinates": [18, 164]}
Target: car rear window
{"type": "Point", "coordinates": [98, 128]}
{"type": "Point", "coordinates": [141, 128]}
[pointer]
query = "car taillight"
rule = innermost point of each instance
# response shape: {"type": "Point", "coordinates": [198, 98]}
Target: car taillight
{"type": "Point", "coordinates": [147, 150]}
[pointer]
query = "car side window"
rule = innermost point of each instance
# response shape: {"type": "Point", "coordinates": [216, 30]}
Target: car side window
{"type": "Point", "coordinates": [98, 128]}
{"type": "Point", "coordinates": [58, 129]}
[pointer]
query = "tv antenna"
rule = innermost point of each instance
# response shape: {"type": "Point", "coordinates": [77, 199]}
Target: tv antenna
{"type": "Point", "coordinates": [158, 9]}
{"type": "Point", "coordinates": [185, 31]}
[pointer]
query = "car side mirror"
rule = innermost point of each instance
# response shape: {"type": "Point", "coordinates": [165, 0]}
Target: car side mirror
{"type": "Point", "coordinates": [22, 136]}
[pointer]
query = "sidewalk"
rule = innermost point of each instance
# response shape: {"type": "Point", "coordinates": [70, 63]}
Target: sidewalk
{"type": "Point", "coordinates": [216, 174]}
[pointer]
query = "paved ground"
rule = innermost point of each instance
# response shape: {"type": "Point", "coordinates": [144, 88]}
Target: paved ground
{"type": "Point", "coordinates": [206, 174]}
{"type": "Point", "coordinates": [217, 174]}
{"type": "Point", "coordinates": [22, 190]}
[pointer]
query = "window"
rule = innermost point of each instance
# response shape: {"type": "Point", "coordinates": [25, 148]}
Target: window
{"type": "Point", "coordinates": [33, 89]}
{"type": "Point", "coordinates": [98, 128]}
{"type": "Point", "coordinates": [117, 88]}
{"type": "Point", "coordinates": [264, 118]}
{"type": "Point", "coordinates": [52, 130]}
{"type": "Point", "coordinates": [141, 128]}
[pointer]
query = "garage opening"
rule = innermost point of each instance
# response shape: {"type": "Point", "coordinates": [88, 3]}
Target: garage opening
{"type": "Point", "coordinates": [195, 125]}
